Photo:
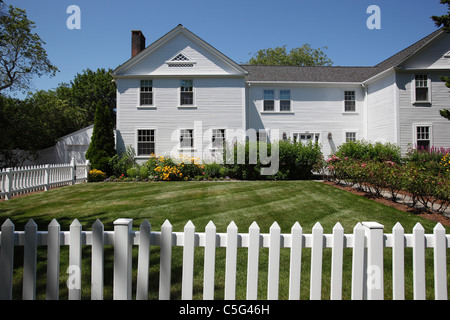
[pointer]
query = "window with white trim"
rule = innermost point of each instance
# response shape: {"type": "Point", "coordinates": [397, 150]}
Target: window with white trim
{"type": "Point", "coordinates": [269, 100]}
{"type": "Point", "coordinates": [349, 101]}
{"type": "Point", "coordinates": [305, 137]}
{"type": "Point", "coordinates": [146, 93]}
{"type": "Point", "coordinates": [350, 136]}
{"type": "Point", "coordinates": [186, 92]}
{"type": "Point", "coordinates": [145, 142]}
{"type": "Point", "coordinates": [421, 88]}
{"type": "Point", "coordinates": [423, 137]}
{"type": "Point", "coordinates": [218, 138]}
{"type": "Point", "coordinates": [285, 100]}
{"type": "Point", "coordinates": [186, 138]}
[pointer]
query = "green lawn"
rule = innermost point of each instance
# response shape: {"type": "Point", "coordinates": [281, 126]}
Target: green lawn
{"type": "Point", "coordinates": [286, 202]}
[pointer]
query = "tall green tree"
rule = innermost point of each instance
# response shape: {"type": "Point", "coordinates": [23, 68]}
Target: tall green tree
{"type": "Point", "coordinates": [102, 146]}
{"type": "Point", "coordinates": [302, 56]}
{"type": "Point", "coordinates": [444, 21]}
{"type": "Point", "coordinates": [90, 87]}
{"type": "Point", "coordinates": [22, 55]}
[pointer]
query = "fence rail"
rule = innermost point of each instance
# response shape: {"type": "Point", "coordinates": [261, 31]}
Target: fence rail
{"type": "Point", "coordinates": [22, 180]}
{"type": "Point", "coordinates": [367, 242]}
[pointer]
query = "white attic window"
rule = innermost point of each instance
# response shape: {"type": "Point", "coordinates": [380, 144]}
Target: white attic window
{"type": "Point", "coordinates": [180, 60]}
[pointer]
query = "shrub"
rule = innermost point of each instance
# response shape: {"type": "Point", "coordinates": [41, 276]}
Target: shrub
{"type": "Point", "coordinates": [363, 150]}
{"type": "Point", "coordinates": [96, 175]}
{"type": "Point", "coordinates": [102, 146]}
{"type": "Point", "coordinates": [120, 163]}
{"type": "Point", "coordinates": [213, 170]}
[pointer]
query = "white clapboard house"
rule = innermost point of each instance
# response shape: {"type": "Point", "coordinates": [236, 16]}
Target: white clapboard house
{"type": "Point", "coordinates": [180, 95]}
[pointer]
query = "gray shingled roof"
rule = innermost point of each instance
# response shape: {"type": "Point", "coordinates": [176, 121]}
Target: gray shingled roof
{"type": "Point", "coordinates": [333, 74]}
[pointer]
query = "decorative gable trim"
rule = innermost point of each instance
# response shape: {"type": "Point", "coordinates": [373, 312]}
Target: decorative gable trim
{"type": "Point", "coordinates": [181, 60]}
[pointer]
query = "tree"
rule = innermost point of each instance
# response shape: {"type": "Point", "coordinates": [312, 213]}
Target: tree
{"type": "Point", "coordinates": [302, 56]}
{"type": "Point", "coordinates": [444, 21]}
{"type": "Point", "coordinates": [102, 146]}
{"type": "Point", "coordinates": [22, 55]}
{"type": "Point", "coordinates": [89, 88]}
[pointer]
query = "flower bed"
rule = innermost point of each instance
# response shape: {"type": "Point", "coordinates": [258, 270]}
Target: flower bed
{"type": "Point", "coordinates": [422, 175]}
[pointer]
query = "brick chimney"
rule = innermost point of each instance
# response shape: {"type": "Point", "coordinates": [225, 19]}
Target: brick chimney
{"type": "Point", "coordinates": [137, 42]}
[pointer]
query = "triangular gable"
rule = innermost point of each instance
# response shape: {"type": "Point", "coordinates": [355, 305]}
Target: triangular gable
{"type": "Point", "coordinates": [161, 57]}
{"type": "Point", "coordinates": [434, 54]}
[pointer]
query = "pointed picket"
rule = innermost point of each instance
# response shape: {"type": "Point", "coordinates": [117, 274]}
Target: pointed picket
{"type": "Point", "coordinates": [29, 263]}
{"type": "Point", "coordinates": [295, 261]}
{"type": "Point", "coordinates": [253, 262]}
{"type": "Point", "coordinates": [274, 262]}
{"type": "Point", "coordinates": [316, 262]}
{"type": "Point", "coordinates": [398, 262]}
{"type": "Point", "coordinates": [419, 262]}
{"type": "Point", "coordinates": [6, 260]}
{"type": "Point", "coordinates": [74, 270]}
{"type": "Point", "coordinates": [358, 262]}
{"type": "Point", "coordinates": [165, 266]}
{"type": "Point", "coordinates": [209, 262]}
{"type": "Point", "coordinates": [187, 285]}
{"type": "Point", "coordinates": [97, 261]}
{"type": "Point", "coordinates": [143, 261]}
{"type": "Point", "coordinates": [440, 263]}
{"type": "Point", "coordinates": [231, 261]}
{"type": "Point", "coordinates": [337, 262]}
{"type": "Point", "coordinates": [53, 250]}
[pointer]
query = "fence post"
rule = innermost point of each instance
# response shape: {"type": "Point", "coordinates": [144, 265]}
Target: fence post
{"type": "Point", "coordinates": [47, 177]}
{"type": "Point", "coordinates": [122, 259]}
{"type": "Point", "coordinates": [373, 280]}
{"type": "Point", "coordinates": [8, 184]}
{"type": "Point", "coordinates": [73, 171]}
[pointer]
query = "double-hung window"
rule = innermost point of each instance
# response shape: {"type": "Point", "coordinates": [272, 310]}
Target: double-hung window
{"type": "Point", "coordinates": [218, 138]}
{"type": "Point", "coordinates": [186, 93]}
{"type": "Point", "coordinates": [186, 138]}
{"type": "Point", "coordinates": [349, 101]}
{"type": "Point", "coordinates": [285, 100]}
{"type": "Point", "coordinates": [269, 100]}
{"type": "Point", "coordinates": [145, 142]}
{"type": "Point", "coordinates": [421, 88]}
{"type": "Point", "coordinates": [423, 137]}
{"type": "Point", "coordinates": [350, 136]}
{"type": "Point", "coordinates": [146, 93]}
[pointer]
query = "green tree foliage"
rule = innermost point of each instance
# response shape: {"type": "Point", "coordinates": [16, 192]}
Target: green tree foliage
{"type": "Point", "coordinates": [302, 56]}
{"type": "Point", "coordinates": [443, 20]}
{"type": "Point", "coordinates": [89, 88]}
{"type": "Point", "coordinates": [102, 145]}
{"type": "Point", "coordinates": [22, 55]}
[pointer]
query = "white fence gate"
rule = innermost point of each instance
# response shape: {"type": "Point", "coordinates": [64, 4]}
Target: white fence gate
{"type": "Point", "coordinates": [367, 242]}
{"type": "Point", "coordinates": [22, 180]}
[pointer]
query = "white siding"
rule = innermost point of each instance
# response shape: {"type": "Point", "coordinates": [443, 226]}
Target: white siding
{"type": "Point", "coordinates": [219, 104]}
{"type": "Point", "coordinates": [315, 109]}
{"type": "Point", "coordinates": [433, 56]}
{"type": "Point", "coordinates": [426, 114]}
{"type": "Point", "coordinates": [381, 110]}
{"type": "Point", "coordinates": [154, 62]}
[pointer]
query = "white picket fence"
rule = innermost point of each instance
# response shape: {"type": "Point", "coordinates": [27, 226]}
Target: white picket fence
{"type": "Point", "coordinates": [367, 242]}
{"type": "Point", "coordinates": [22, 180]}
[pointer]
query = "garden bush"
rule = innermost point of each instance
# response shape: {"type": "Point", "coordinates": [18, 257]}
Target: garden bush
{"type": "Point", "coordinates": [422, 174]}
{"type": "Point", "coordinates": [96, 175]}
{"type": "Point", "coordinates": [296, 160]}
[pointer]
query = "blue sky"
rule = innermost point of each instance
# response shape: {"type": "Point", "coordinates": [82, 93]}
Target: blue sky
{"type": "Point", "coordinates": [237, 28]}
